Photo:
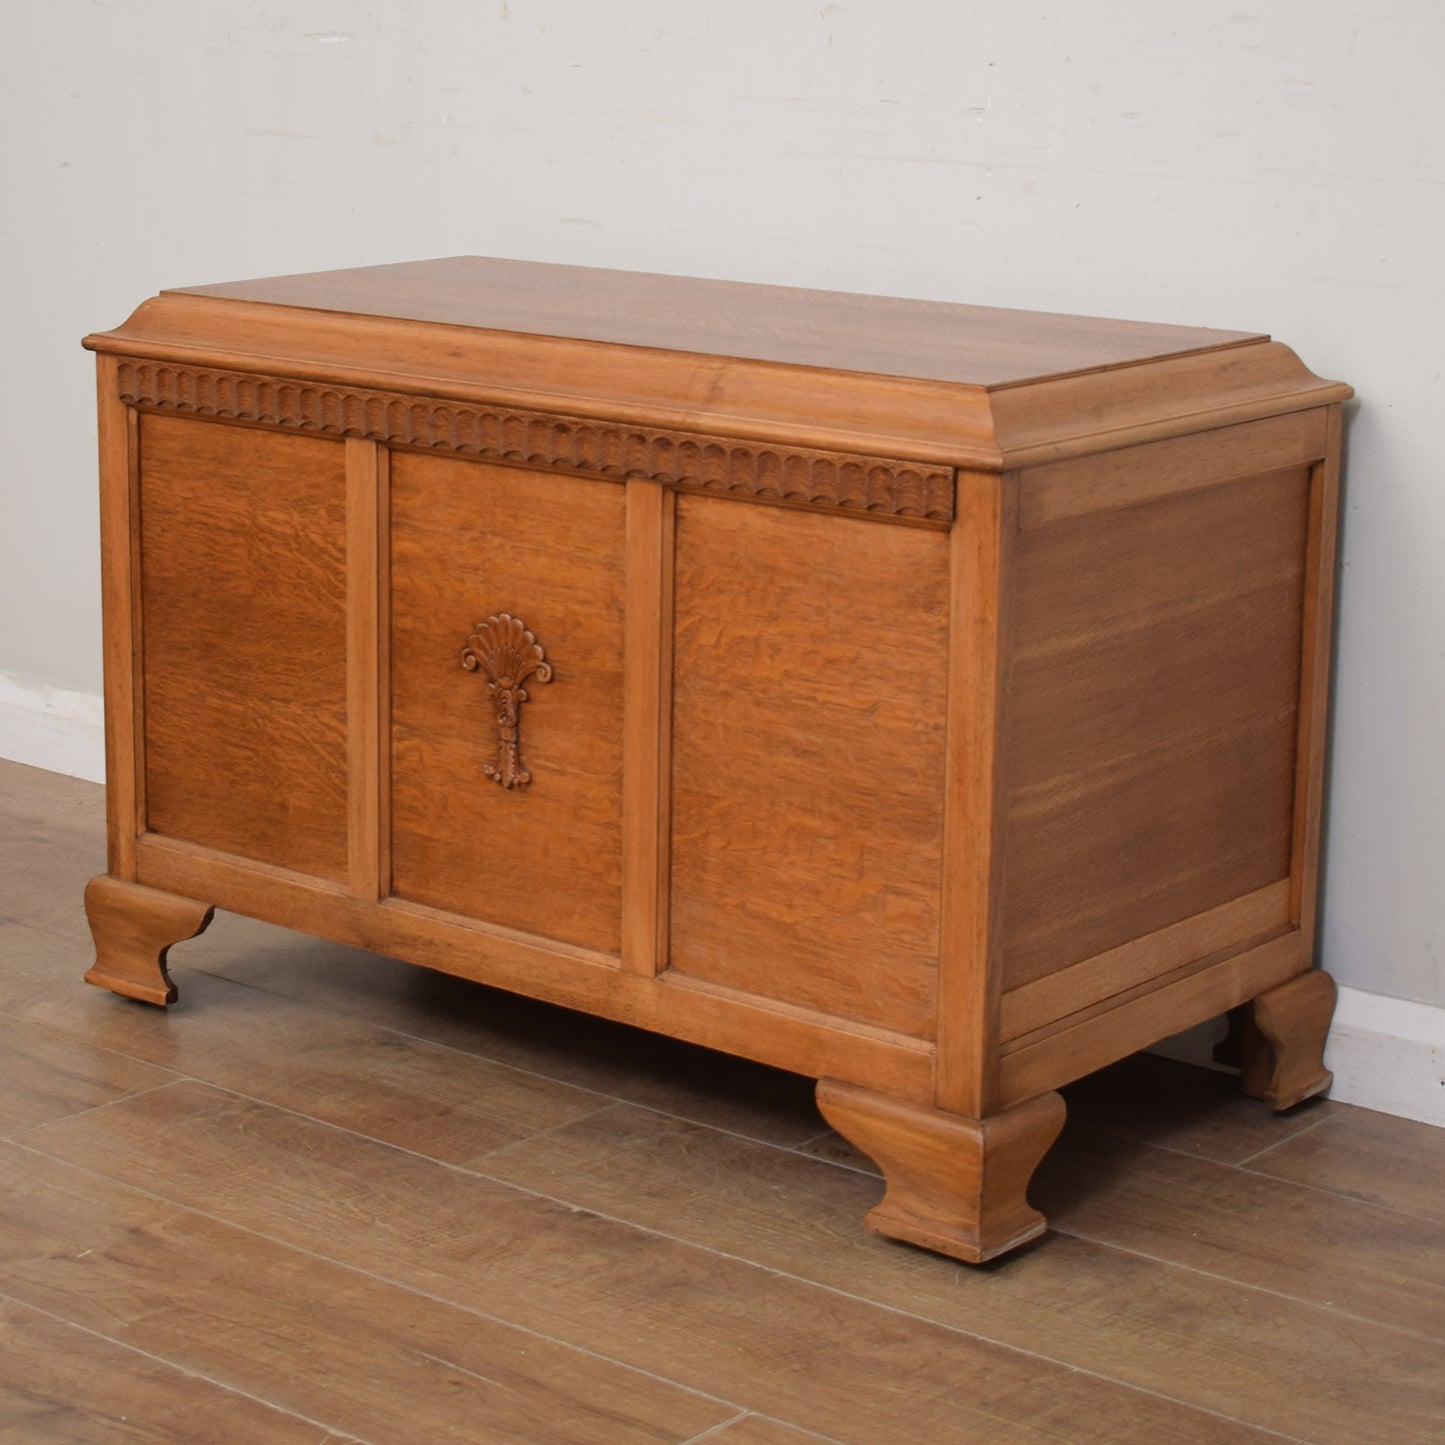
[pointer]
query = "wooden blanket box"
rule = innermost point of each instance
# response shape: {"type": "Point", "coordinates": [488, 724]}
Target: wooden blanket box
{"type": "Point", "coordinates": [925, 698]}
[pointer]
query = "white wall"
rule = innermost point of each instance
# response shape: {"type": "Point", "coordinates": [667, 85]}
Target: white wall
{"type": "Point", "coordinates": [1276, 166]}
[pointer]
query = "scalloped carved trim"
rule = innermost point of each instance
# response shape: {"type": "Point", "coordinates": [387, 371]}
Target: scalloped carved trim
{"type": "Point", "coordinates": [611, 450]}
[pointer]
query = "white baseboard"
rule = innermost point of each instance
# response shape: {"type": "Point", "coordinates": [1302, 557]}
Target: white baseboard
{"type": "Point", "coordinates": [52, 727]}
{"type": "Point", "coordinates": [1386, 1054]}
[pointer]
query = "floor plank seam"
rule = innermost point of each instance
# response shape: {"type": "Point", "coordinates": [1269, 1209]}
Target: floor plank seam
{"type": "Point", "coordinates": [344, 1017]}
{"type": "Point", "coordinates": [526, 1139]}
{"type": "Point", "coordinates": [1280, 1143]}
{"type": "Point", "coordinates": [489, 1058]}
{"type": "Point", "coordinates": [899, 1311]}
{"type": "Point", "coordinates": [1241, 1167]}
{"type": "Point", "coordinates": [770, 1270]}
{"type": "Point", "coordinates": [392, 1283]}
{"type": "Point", "coordinates": [1340, 1194]}
{"type": "Point", "coordinates": [49, 927]}
{"type": "Point", "coordinates": [92, 1108]}
{"type": "Point", "coordinates": [715, 1429]}
{"type": "Point", "coordinates": [1328, 1309]}
{"type": "Point", "coordinates": [192, 1373]}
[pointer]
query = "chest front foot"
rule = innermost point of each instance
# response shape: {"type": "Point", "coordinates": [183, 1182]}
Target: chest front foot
{"type": "Point", "coordinates": [134, 928]}
{"type": "Point", "coordinates": [955, 1185]}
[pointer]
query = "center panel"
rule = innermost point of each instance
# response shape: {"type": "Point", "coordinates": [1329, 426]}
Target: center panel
{"type": "Point", "coordinates": [472, 541]}
{"type": "Point", "coordinates": [810, 677]}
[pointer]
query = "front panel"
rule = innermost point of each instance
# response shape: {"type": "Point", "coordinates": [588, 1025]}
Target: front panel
{"type": "Point", "coordinates": [517, 823]}
{"type": "Point", "coordinates": [810, 678]}
{"type": "Point", "coordinates": [243, 640]}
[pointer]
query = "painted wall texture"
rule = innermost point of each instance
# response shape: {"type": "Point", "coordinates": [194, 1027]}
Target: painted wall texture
{"type": "Point", "coordinates": [1277, 165]}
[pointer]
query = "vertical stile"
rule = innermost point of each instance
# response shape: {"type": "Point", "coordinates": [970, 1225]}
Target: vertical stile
{"type": "Point", "coordinates": [120, 604]}
{"type": "Point", "coordinates": [646, 708]}
{"type": "Point", "coordinates": [365, 504]}
{"type": "Point", "coordinates": [968, 985]}
{"type": "Point", "coordinates": [1319, 587]}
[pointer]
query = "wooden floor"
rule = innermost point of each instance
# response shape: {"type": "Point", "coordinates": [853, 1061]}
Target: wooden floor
{"type": "Point", "coordinates": [328, 1197]}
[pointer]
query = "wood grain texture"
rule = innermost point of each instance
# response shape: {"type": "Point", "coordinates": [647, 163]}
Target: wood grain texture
{"type": "Point", "coordinates": [52, 842]}
{"type": "Point", "coordinates": [367, 671]}
{"type": "Point", "coordinates": [1082, 985]}
{"type": "Point", "coordinates": [970, 971]}
{"type": "Point", "coordinates": [930, 340]}
{"type": "Point", "coordinates": [730, 387]}
{"type": "Point", "coordinates": [1186, 1335]}
{"type": "Point", "coordinates": [1318, 636]}
{"type": "Point", "coordinates": [244, 619]}
{"type": "Point", "coordinates": [447, 1103]}
{"type": "Point", "coordinates": [1191, 1110]}
{"type": "Point", "coordinates": [1209, 1338]}
{"type": "Point", "coordinates": [1153, 714]}
{"type": "Point", "coordinates": [134, 928]}
{"type": "Point", "coordinates": [819, 1359]}
{"type": "Point", "coordinates": [470, 540]}
{"type": "Point", "coordinates": [755, 1430]}
{"type": "Point", "coordinates": [46, 1074]}
{"type": "Point", "coordinates": [1098, 411]}
{"type": "Point", "coordinates": [810, 675]}
{"type": "Point", "coordinates": [1132, 476]}
{"type": "Point", "coordinates": [647, 733]}
{"type": "Point", "coordinates": [883, 487]}
{"type": "Point", "coordinates": [333, 1344]}
{"type": "Point", "coordinates": [64, 1385]}
{"type": "Point", "coordinates": [1310, 1245]}
{"type": "Point", "coordinates": [1284, 1057]}
{"type": "Point", "coordinates": [1143, 1015]}
{"type": "Point", "coordinates": [1361, 1154]}
{"type": "Point", "coordinates": [119, 553]}
{"type": "Point", "coordinates": [957, 1186]}
{"type": "Point", "coordinates": [803, 787]}
{"type": "Point", "coordinates": [803, 1040]}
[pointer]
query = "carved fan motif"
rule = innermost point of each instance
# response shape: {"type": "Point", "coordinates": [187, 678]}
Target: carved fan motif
{"type": "Point", "coordinates": [509, 655]}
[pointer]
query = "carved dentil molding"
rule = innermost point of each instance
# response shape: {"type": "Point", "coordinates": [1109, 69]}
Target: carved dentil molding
{"type": "Point", "coordinates": [611, 450]}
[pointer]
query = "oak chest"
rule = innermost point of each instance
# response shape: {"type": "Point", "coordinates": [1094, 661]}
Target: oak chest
{"type": "Point", "coordinates": [925, 698]}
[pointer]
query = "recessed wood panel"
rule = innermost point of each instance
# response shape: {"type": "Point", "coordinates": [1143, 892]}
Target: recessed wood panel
{"type": "Point", "coordinates": [1152, 717]}
{"type": "Point", "coordinates": [243, 607]}
{"type": "Point", "coordinates": [810, 674]}
{"type": "Point", "coordinates": [471, 540]}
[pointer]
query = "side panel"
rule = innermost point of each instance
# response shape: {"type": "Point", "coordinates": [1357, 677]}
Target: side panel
{"type": "Point", "coordinates": [243, 629]}
{"type": "Point", "coordinates": [1154, 715]}
{"type": "Point", "coordinates": [810, 675]}
{"type": "Point", "coordinates": [471, 540]}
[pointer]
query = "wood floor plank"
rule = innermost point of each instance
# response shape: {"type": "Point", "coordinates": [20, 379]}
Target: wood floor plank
{"type": "Point", "coordinates": [449, 1104]}
{"type": "Point", "coordinates": [328, 1342]}
{"type": "Point", "coordinates": [755, 1430]}
{"type": "Point", "coordinates": [1395, 1162]}
{"type": "Point", "coordinates": [38, 964]}
{"type": "Point", "coordinates": [47, 854]}
{"type": "Point", "coordinates": [775, 1346]}
{"type": "Point", "coordinates": [45, 1074]}
{"type": "Point", "coordinates": [1307, 1244]}
{"type": "Point", "coordinates": [57, 797]}
{"type": "Point", "coordinates": [589, 1053]}
{"type": "Point", "coordinates": [1239, 1351]}
{"type": "Point", "coordinates": [1182, 1106]}
{"type": "Point", "coordinates": [61, 1385]}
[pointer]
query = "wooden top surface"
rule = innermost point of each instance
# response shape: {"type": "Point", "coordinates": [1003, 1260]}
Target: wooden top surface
{"type": "Point", "coordinates": [922, 340]}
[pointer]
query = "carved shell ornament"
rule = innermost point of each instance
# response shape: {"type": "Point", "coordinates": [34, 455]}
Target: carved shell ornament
{"type": "Point", "coordinates": [509, 655]}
